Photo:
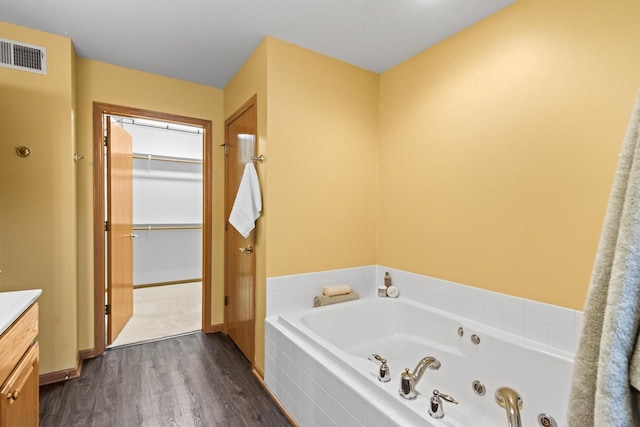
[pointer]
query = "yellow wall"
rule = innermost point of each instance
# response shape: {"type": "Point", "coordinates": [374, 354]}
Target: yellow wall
{"type": "Point", "coordinates": [97, 81]}
{"type": "Point", "coordinates": [498, 147]}
{"type": "Point", "coordinates": [319, 178]}
{"type": "Point", "coordinates": [323, 151]}
{"type": "Point", "coordinates": [38, 246]}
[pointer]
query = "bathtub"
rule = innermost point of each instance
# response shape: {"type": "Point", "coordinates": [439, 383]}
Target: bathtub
{"type": "Point", "coordinates": [318, 364]}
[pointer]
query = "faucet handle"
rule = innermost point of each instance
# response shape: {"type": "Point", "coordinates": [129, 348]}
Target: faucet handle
{"type": "Point", "coordinates": [435, 404]}
{"type": "Point", "coordinates": [443, 396]}
{"type": "Point", "coordinates": [383, 374]}
{"type": "Point", "coordinates": [379, 358]}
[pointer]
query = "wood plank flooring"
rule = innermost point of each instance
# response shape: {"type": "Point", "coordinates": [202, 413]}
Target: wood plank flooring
{"type": "Point", "coordinates": [191, 380]}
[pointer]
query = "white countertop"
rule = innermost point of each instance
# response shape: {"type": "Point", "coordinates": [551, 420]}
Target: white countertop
{"type": "Point", "coordinates": [13, 304]}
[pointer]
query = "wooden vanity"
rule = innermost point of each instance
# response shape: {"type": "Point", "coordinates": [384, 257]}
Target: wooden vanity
{"type": "Point", "coordinates": [19, 358]}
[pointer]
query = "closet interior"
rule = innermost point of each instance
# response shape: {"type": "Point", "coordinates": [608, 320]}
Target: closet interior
{"type": "Point", "coordinates": [167, 229]}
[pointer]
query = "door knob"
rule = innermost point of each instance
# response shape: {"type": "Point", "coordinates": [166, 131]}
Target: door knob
{"type": "Point", "coordinates": [247, 251]}
{"type": "Point", "coordinates": [133, 236]}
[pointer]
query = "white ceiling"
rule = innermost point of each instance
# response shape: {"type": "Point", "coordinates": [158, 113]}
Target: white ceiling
{"type": "Point", "coordinates": [206, 41]}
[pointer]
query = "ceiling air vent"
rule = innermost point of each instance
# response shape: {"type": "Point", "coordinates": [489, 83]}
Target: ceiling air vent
{"type": "Point", "coordinates": [22, 56]}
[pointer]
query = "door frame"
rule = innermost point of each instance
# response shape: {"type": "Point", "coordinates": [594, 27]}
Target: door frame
{"type": "Point", "coordinates": [99, 267]}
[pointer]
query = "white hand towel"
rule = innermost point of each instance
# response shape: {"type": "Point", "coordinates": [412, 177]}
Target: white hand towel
{"type": "Point", "coordinates": [248, 204]}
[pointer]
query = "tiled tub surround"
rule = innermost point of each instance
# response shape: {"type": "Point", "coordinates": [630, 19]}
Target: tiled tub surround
{"type": "Point", "coordinates": [555, 326]}
{"type": "Point", "coordinates": [317, 366]}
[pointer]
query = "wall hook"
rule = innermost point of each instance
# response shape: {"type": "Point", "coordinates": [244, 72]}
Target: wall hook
{"type": "Point", "coordinates": [76, 158]}
{"type": "Point", "coordinates": [23, 151]}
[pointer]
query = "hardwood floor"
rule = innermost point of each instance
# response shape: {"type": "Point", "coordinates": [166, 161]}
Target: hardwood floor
{"type": "Point", "coordinates": [191, 380]}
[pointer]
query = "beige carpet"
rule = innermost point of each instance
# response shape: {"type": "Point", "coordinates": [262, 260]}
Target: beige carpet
{"type": "Point", "coordinates": [163, 311]}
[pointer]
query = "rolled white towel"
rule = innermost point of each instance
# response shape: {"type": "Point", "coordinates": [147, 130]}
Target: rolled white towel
{"type": "Point", "coordinates": [332, 291]}
{"type": "Point", "coordinates": [320, 300]}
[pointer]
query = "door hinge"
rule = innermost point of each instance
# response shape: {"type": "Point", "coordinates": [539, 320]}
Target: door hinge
{"type": "Point", "coordinates": [106, 226]}
{"type": "Point", "coordinates": [226, 301]}
{"type": "Point", "coordinates": [106, 141]}
{"type": "Point", "coordinates": [107, 309]}
{"type": "Point", "coordinates": [226, 149]}
{"type": "Point", "coordinates": [226, 225]}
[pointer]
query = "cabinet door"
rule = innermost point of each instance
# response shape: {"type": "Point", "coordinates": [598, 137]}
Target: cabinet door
{"type": "Point", "coordinates": [19, 396]}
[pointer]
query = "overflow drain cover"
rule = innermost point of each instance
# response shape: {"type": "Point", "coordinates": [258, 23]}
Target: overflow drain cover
{"type": "Point", "coordinates": [546, 420]}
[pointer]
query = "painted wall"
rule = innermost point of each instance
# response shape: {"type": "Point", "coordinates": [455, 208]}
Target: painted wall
{"type": "Point", "coordinates": [38, 246]}
{"type": "Point", "coordinates": [107, 83]}
{"type": "Point", "coordinates": [323, 152]}
{"type": "Point", "coordinates": [319, 178]}
{"type": "Point", "coordinates": [498, 148]}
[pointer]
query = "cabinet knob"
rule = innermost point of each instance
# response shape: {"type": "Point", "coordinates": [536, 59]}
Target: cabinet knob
{"type": "Point", "coordinates": [13, 395]}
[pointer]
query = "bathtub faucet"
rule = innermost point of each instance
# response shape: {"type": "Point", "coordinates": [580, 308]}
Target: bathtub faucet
{"type": "Point", "coordinates": [435, 404]}
{"type": "Point", "coordinates": [510, 400]}
{"type": "Point", "coordinates": [408, 381]}
{"type": "Point", "coordinates": [383, 374]}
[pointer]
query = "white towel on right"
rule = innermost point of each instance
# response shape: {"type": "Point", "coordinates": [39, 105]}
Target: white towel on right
{"type": "Point", "coordinates": [248, 203]}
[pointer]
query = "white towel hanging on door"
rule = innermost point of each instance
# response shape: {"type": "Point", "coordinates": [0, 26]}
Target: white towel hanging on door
{"type": "Point", "coordinates": [248, 204]}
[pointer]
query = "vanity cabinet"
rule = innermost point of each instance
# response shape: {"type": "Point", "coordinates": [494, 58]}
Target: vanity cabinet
{"type": "Point", "coordinates": [19, 371]}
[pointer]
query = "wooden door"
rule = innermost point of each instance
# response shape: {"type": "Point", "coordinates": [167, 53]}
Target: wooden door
{"type": "Point", "coordinates": [240, 257]}
{"type": "Point", "coordinates": [120, 233]}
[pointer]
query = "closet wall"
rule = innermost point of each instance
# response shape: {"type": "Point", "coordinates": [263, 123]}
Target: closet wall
{"type": "Point", "coordinates": [167, 202]}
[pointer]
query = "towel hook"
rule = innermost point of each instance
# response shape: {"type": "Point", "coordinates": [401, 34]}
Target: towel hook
{"type": "Point", "coordinates": [23, 151]}
{"type": "Point", "coordinates": [260, 158]}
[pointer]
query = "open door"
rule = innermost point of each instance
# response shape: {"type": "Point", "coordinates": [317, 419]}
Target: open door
{"type": "Point", "coordinates": [240, 258]}
{"type": "Point", "coordinates": [120, 229]}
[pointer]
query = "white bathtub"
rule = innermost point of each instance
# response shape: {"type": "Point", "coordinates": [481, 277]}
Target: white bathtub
{"type": "Point", "coordinates": [316, 355]}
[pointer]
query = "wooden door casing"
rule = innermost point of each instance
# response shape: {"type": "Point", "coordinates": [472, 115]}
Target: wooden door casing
{"type": "Point", "coordinates": [120, 233]}
{"type": "Point", "coordinates": [240, 266]}
{"type": "Point", "coordinates": [100, 111]}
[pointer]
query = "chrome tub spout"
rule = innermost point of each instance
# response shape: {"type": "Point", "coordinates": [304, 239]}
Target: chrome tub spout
{"type": "Point", "coordinates": [427, 362]}
{"type": "Point", "coordinates": [510, 400]}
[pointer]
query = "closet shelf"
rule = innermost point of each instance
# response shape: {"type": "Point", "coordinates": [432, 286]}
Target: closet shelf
{"type": "Point", "coordinates": [144, 156]}
{"type": "Point", "coordinates": [152, 227]}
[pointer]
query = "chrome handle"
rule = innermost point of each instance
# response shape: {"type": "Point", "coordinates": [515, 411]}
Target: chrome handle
{"type": "Point", "coordinates": [446, 397]}
{"type": "Point", "coordinates": [379, 358]}
{"type": "Point", "coordinates": [247, 251]}
{"type": "Point", "coordinates": [133, 236]}
{"type": "Point", "coordinates": [383, 373]}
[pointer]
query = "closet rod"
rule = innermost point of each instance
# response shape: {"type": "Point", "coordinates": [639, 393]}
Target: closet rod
{"type": "Point", "coordinates": [166, 227]}
{"type": "Point", "coordinates": [166, 159]}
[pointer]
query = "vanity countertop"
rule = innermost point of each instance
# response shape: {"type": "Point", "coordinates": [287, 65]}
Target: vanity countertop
{"type": "Point", "coordinates": [13, 304]}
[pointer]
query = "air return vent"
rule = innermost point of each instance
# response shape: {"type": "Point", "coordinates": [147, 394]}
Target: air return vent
{"type": "Point", "coordinates": [22, 56]}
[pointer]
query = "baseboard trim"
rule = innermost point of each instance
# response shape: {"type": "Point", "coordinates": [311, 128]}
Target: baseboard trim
{"type": "Point", "coordinates": [257, 372]}
{"type": "Point", "coordinates": [67, 374]}
{"type": "Point", "coordinates": [213, 328]}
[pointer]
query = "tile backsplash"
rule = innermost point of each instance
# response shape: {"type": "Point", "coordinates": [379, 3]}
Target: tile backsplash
{"type": "Point", "coordinates": [548, 324]}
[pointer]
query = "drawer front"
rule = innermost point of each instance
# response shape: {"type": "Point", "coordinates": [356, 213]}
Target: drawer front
{"type": "Point", "coordinates": [16, 341]}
